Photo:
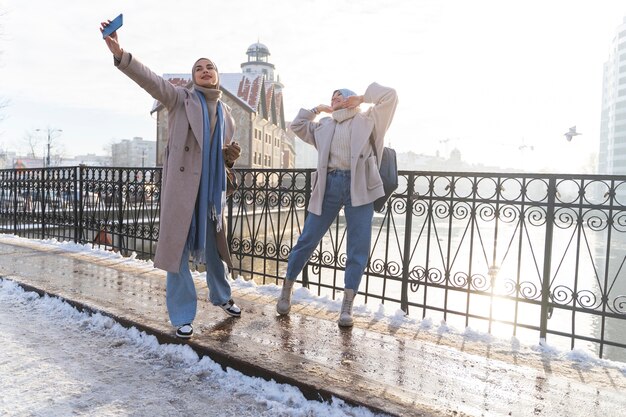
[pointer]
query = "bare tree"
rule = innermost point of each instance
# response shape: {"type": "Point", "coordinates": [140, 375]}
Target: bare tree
{"type": "Point", "coordinates": [51, 136]}
{"type": "Point", "coordinates": [60, 154]}
{"type": "Point", "coordinates": [32, 141]}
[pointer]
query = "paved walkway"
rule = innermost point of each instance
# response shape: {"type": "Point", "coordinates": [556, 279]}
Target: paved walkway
{"type": "Point", "coordinates": [391, 370]}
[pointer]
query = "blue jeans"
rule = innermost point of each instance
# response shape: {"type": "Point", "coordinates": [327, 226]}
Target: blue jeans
{"type": "Point", "coordinates": [358, 225]}
{"type": "Point", "coordinates": [180, 296]}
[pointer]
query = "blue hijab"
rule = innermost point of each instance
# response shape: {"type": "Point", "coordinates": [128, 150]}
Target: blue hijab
{"type": "Point", "coordinates": [345, 93]}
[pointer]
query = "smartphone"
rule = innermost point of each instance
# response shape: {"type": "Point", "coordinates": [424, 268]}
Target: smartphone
{"type": "Point", "coordinates": [113, 26]}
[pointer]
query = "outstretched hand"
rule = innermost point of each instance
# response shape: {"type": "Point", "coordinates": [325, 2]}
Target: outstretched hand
{"type": "Point", "coordinates": [112, 41]}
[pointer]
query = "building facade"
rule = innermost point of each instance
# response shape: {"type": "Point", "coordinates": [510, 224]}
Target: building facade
{"type": "Point", "coordinates": [255, 97]}
{"type": "Point", "coordinates": [612, 151]}
{"type": "Point", "coordinates": [134, 153]}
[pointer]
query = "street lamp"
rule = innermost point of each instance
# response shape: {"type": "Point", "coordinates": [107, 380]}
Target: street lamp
{"type": "Point", "coordinates": [50, 132]}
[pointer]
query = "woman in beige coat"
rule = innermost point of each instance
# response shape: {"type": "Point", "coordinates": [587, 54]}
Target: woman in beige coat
{"type": "Point", "coordinates": [347, 177]}
{"type": "Point", "coordinates": [193, 186]}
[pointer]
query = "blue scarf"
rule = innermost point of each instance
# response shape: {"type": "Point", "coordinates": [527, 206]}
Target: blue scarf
{"type": "Point", "coordinates": [212, 192]}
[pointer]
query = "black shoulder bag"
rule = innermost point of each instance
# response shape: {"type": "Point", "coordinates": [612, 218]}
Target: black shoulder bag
{"type": "Point", "coordinates": [388, 173]}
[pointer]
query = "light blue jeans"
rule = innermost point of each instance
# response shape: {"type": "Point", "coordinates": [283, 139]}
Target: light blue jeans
{"type": "Point", "coordinates": [358, 225]}
{"type": "Point", "coordinates": [181, 298]}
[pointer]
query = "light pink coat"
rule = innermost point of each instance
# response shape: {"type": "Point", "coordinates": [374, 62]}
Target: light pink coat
{"type": "Point", "coordinates": [365, 182]}
{"type": "Point", "coordinates": [182, 162]}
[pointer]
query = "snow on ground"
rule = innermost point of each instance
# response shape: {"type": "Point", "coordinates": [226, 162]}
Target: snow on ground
{"type": "Point", "coordinates": [67, 362]}
{"type": "Point", "coordinates": [57, 361]}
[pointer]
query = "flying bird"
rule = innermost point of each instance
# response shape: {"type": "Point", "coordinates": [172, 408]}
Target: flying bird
{"type": "Point", "coordinates": [571, 133]}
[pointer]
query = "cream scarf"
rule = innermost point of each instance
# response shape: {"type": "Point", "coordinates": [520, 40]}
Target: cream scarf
{"type": "Point", "coordinates": [211, 95]}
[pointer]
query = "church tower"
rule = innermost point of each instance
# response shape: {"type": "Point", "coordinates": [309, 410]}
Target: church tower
{"type": "Point", "coordinates": [258, 64]}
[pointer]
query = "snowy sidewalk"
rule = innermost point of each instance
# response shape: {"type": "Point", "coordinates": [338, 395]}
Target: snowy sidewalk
{"type": "Point", "coordinates": [403, 371]}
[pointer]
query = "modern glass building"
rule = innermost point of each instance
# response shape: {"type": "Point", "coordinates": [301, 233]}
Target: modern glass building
{"type": "Point", "coordinates": [612, 152]}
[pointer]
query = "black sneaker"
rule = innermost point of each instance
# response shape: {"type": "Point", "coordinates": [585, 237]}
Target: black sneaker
{"type": "Point", "coordinates": [185, 331]}
{"type": "Point", "coordinates": [231, 308]}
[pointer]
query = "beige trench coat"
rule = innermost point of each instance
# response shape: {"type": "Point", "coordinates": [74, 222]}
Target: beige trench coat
{"type": "Point", "coordinates": [182, 162]}
{"type": "Point", "coordinates": [365, 182]}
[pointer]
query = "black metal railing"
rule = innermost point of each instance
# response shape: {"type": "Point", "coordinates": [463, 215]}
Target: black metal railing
{"type": "Point", "coordinates": [529, 255]}
{"type": "Point", "coordinates": [115, 207]}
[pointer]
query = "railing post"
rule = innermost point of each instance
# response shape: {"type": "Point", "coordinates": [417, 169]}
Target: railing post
{"type": "Point", "coordinates": [404, 296]}
{"type": "Point", "coordinates": [14, 175]}
{"type": "Point", "coordinates": [547, 261]}
{"type": "Point", "coordinates": [74, 200]}
{"type": "Point", "coordinates": [307, 198]}
{"type": "Point", "coordinates": [80, 202]}
{"type": "Point", "coordinates": [118, 198]}
{"type": "Point", "coordinates": [42, 196]}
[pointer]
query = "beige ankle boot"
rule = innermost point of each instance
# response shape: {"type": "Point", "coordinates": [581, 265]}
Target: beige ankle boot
{"type": "Point", "coordinates": [345, 317]}
{"type": "Point", "coordinates": [284, 301]}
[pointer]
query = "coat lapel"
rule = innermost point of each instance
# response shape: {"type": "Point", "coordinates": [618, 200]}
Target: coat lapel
{"type": "Point", "coordinates": [325, 131]}
{"type": "Point", "coordinates": [193, 108]}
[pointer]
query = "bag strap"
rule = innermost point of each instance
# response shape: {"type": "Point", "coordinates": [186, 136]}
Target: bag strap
{"type": "Point", "coordinates": [374, 146]}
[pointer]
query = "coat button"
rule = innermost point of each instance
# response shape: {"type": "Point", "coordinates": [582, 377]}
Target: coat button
{"type": "Point", "coordinates": [187, 148]}
{"type": "Point", "coordinates": [182, 169]}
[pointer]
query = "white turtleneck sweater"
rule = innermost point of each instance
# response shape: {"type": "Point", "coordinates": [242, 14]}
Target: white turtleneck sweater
{"type": "Point", "coordinates": [339, 157]}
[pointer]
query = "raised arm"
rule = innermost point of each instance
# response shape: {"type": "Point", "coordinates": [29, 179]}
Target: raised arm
{"type": "Point", "coordinates": [304, 126]}
{"type": "Point", "coordinates": [160, 89]}
{"type": "Point", "coordinates": [385, 101]}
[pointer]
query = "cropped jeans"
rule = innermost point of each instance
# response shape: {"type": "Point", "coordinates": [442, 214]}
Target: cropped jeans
{"type": "Point", "coordinates": [181, 297]}
{"type": "Point", "coordinates": [358, 225]}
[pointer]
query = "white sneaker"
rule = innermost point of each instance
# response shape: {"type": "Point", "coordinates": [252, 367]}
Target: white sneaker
{"type": "Point", "coordinates": [231, 308]}
{"type": "Point", "coordinates": [185, 331]}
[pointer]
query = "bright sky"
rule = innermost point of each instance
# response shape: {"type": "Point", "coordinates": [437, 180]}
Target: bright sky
{"type": "Point", "coordinates": [484, 76]}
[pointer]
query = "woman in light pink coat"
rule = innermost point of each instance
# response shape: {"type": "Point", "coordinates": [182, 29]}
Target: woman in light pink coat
{"type": "Point", "coordinates": [193, 187]}
{"type": "Point", "coordinates": [347, 177]}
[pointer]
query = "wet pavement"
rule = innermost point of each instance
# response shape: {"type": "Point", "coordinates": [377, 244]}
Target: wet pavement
{"type": "Point", "coordinates": [398, 371]}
